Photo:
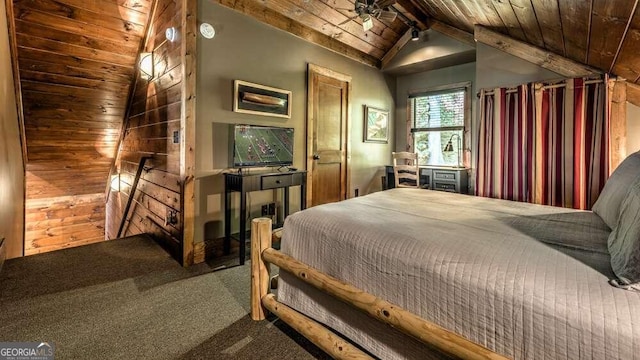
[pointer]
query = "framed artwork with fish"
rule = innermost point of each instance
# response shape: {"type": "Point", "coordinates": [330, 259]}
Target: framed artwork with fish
{"type": "Point", "coordinates": [250, 98]}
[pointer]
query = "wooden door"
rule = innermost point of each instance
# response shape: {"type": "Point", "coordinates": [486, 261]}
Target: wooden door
{"type": "Point", "coordinates": [327, 136]}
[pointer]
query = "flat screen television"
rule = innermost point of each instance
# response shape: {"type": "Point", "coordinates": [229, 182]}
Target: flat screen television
{"type": "Point", "coordinates": [259, 146]}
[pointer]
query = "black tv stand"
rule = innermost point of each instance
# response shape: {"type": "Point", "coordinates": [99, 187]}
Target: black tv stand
{"type": "Point", "coordinates": [248, 182]}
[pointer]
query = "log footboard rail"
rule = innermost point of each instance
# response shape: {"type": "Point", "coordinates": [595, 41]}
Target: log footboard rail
{"type": "Point", "coordinates": [262, 254]}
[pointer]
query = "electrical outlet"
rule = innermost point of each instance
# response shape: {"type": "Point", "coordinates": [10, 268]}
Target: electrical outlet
{"type": "Point", "coordinates": [268, 209]}
{"type": "Point", "coordinates": [171, 217]}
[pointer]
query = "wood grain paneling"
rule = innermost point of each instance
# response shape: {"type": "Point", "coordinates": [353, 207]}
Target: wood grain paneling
{"type": "Point", "coordinates": [59, 222]}
{"type": "Point", "coordinates": [76, 61]}
{"type": "Point", "coordinates": [154, 117]}
{"type": "Point", "coordinates": [604, 34]}
{"type": "Point", "coordinates": [282, 21]}
{"type": "Point", "coordinates": [609, 21]}
{"type": "Point", "coordinates": [576, 20]}
{"type": "Point", "coordinates": [548, 15]}
{"type": "Point", "coordinates": [628, 62]}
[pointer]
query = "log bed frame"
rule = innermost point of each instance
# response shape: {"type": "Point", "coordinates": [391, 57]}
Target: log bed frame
{"type": "Point", "coordinates": [262, 254]}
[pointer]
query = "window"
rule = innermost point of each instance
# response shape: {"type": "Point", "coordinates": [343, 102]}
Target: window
{"type": "Point", "coordinates": [437, 125]}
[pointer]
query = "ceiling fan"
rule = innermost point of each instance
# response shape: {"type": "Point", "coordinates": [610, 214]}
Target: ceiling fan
{"type": "Point", "coordinates": [369, 9]}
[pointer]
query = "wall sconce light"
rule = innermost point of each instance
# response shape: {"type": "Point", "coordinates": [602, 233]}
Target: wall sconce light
{"type": "Point", "coordinates": [146, 65]}
{"type": "Point", "coordinates": [449, 148]}
{"type": "Point", "coordinates": [115, 182]}
{"type": "Point", "coordinates": [171, 34]}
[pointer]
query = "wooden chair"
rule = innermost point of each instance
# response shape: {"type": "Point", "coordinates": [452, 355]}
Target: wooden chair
{"type": "Point", "coordinates": [405, 169]}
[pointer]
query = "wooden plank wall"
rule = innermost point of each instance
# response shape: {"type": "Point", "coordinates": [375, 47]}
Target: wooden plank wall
{"type": "Point", "coordinates": [76, 62]}
{"type": "Point", "coordinates": [154, 119]}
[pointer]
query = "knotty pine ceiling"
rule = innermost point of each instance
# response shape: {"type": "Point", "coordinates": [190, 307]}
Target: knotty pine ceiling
{"type": "Point", "coordinates": [76, 63]}
{"type": "Point", "coordinates": [604, 34]}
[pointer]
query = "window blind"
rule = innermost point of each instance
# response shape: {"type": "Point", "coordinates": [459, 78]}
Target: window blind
{"type": "Point", "coordinates": [439, 110]}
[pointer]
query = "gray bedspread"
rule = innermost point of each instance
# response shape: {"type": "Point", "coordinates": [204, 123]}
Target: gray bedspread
{"type": "Point", "coordinates": [527, 281]}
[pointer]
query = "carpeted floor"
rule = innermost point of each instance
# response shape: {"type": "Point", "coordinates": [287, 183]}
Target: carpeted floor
{"type": "Point", "coordinates": [127, 299]}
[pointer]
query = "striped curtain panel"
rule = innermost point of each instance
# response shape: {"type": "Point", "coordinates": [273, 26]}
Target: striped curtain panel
{"type": "Point", "coordinates": [571, 144]}
{"type": "Point", "coordinates": [505, 146]}
{"type": "Point", "coordinates": [546, 145]}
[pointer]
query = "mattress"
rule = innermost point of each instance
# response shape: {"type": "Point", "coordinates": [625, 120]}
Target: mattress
{"type": "Point", "coordinates": [526, 281]}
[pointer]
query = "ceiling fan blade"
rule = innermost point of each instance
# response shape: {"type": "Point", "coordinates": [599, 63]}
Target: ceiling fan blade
{"type": "Point", "coordinates": [360, 4]}
{"type": "Point", "coordinates": [383, 4]}
{"type": "Point", "coordinates": [387, 16]}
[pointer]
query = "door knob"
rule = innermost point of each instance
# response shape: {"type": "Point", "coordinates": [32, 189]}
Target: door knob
{"type": "Point", "coordinates": [316, 157]}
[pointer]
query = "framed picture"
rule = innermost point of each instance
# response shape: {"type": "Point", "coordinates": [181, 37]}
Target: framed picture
{"type": "Point", "coordinates": [257, 99]}
{"type": "Point", "coordinates": [376, 125]}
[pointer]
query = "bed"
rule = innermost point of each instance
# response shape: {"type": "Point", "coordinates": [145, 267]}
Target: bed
{"type": "Point", "coordinates": [521, 280]}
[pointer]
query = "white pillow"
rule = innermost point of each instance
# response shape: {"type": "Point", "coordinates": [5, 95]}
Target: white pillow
{"type": "Point", "coordinates": [610, 200]}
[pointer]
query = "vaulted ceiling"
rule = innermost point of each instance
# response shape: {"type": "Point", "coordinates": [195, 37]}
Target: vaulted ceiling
{"type": "Point", "coordinates": [76, 62]}
{"type": "Point", "coordinates": [604, 34]}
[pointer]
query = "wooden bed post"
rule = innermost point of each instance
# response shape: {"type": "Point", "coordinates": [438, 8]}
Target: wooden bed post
{"type": "Point", "coordinates": [260, 240]}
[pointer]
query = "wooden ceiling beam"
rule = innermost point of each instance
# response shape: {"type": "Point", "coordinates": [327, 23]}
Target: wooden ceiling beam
{"type": "Point", "coordinates": [460, 35]}
{"type": "Point", "coordinates": [277, 20]}
{"type": "Point", "coordinates": [442, 28]}
{"type": "Point", "coordinates": [413, 13]}
{"type": "Point", "coordinates": [633, 93]}
{"type": "Point", "coordinates": [395, 49]}
{"type": "Point", "coordinates": [430, 11]}
{"type": "Point", "coordinates": [535, 55]}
